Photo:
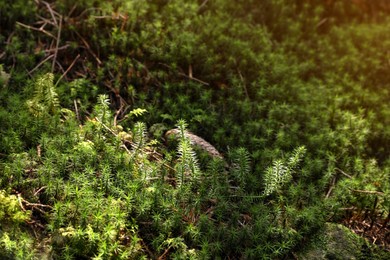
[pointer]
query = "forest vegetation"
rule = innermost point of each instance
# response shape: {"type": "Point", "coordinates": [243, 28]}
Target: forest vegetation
{"type": "Point", "coordinates": [192, 129]}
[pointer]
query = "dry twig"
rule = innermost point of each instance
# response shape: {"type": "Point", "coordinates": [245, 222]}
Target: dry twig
{"type": "Point", "coordinates": [57, 44]}
{"type": "Point", "coordinates": [368, 192]}
{"type": "Point", "coordinates": [68, 69]}
{"type": "Point", "coordinates": [36, 29]}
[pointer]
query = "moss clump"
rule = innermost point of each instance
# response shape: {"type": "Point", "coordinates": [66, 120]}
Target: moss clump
{"type": "Point", "coordinates": [337, 242]}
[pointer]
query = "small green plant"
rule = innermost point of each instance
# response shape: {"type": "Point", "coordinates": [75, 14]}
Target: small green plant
{"type": "Point", "coordinates": [281, 173]}
{"type": "Point", "coordinates": [45, 99]}
{"type": "Point", "coordinates": [187, 167]}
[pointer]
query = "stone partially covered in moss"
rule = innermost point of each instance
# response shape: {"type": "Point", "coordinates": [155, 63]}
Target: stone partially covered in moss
{"type": "Point", "coordinates": [4, 77]}
{"type": "Point", "coordinates": [339, 242]}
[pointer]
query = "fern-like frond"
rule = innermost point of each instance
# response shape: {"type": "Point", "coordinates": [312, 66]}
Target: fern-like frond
{"type": "Point", "coordinates": [50, 96]}
{"type": "Point", "coordinates": [138, 112]}
{"type": "Point", "coordinates": [275, 177]}
{"type": "Point", "coordinates": [240, 165]}
{"type": "Point", "coordinates": [188, 162]}
{"type": "Point", "coordinates": [139, 135]}
{"type": "Point", "coordinates": [281, 173]}
{"type": "Point", "coordinates": [297, 157]}
{"type": "Point", "coordinates": [102, 109]}
{"type": "Point", "coordinates": [45, 99]}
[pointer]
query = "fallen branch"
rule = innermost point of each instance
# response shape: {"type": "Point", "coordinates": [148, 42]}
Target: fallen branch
{"type": "Point", "coordinates": [89, 48]}
{"type": "Point", "coordinates": [51, 11]}
{"type": "Point", "coordinates": [368, 192]}
{"type": "Point", "coordinates": [39, 190]}
{"type": "Point", "coordinates": [57, 44]}
{"type": "Point", "coordinates": [36, 206]}
{"type": "Point", "coordinates": [36, 29]}
{"type": "Point", "coordinates": [77, 110]}
{"type": "Point", "coordinates": [68, 69]}
{"type": "Point", "coordinates": [40, 64]}
{"type": "Point", "coordinates": [331, 187]}
{"type": "Point", "coordinates": [343, 173]}
{"type": "Point", "coordinates": [185, 75]}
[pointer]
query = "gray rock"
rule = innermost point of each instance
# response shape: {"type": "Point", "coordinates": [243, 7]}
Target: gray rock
{"type": "Point", "coordinates": [339, 242]}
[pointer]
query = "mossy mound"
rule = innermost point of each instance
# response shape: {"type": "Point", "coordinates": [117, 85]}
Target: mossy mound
{"type": "Point", "coordinates": [339, 242]}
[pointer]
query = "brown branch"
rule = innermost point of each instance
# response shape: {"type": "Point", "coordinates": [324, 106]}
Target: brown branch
{"type": "Point", "coordinates": [162, 257]}
{"type": "Point", "coordinates": [60, 66]}
{"type": "Point", "coordinates": [76, 109]}
{"type": "Point", "coordinates": [36, 29]}
{"type": "Point", "coordinates": [51, 11]}
{"type": "Point", "coordinates": [39, 151]}
{"type": "Point", "coordinates": [243, 83]}
{"type": "Point", "coordinates": [322, 22]}
{"type": "Point", "coordinates": [202, 5]}
{"type": "Point", "coordinates": [350, 208]}
{"type": "Point", "coordinates": [32, 205]}
{"type": "Point", "coordinates": [89, 48]}
{"type": "Point", "coordinates": [106, 127]}
{"type": "Point", "coordinates": [57, 49]}
{"type": "Point", "coordinates": [57, 44]}
{"type": "Point", "coordinates": [368, 192]}
{"type": "Point", "coordinates": [68, 69]}
{"type": "Point", "coordinates": [185, 75]}
{"type": "Point", "coordinates": [20, 202]}
{"type": "Point", "coordinates": [331, 187]}
{"type": "Point", "coordinates": [190, 71]}
{"type": "Point", "coordinates": [343, 173]}
{"type": "Point", "coordinates": [40, 64]}
{"type": "Point", "coordinates": [144, 245]}
{"type": "Point", "coordinates": [39, 190]}
{"type": "Point", "coordinates": [194, 79]}
{"type": "Point", "coordinates": [45, 21]}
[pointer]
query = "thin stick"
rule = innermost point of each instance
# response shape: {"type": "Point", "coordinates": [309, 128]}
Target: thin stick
{"type": "Point", "coordinates": [51, 12]}
{"type": "Point", "coordinates": [322, 22]}
{"type": "Point", "coordinates": [45, 21]}
{"type": "Point", "coordinates": [203, 4]}
{"type": "Point", "coordinates": [20, 202]}
{"type": "Point", "coordinates": [39, 190]}
{"type": "Point", "coordinates": [243, 83]}
{"type": "Point", "coordinates": [88, 48]}
{"type": "Point", "coordinates": [350, 208]}
{"type": "Point", "coordinates": [186, 76]}
{"type": "Point", "coordinates": [68, 69]}
{"type": "Point", "coordinates": [59, 65]}
{"type": "Point", "coordinates": [57, 45]}
{"type": "Point", "coordinates": [161, 257]}
{"type": "Point", "coordinates": [39, 151]}
{"type": "Point", "coordinates": [331, 187]}
{"type": "Point", "coordinates": [36, 29]}
{"type": "Point", "coordinates": [106, 127]}
{"type": "Point", "coordinates": [194, 79]}
{"type": "Point", "coordinates": [36, 204]}
{"type": "Point", "coordinates": [57, 49]}
{"type": "Point", "coordinates": [40, 64]}
{"type": "Point", "coordinates": [369, 192]}
{"type": "Point", "coordinates": [116, 116]}
{"type": "Point", "coordinates": [76, 109]}
{"type": "Point", "coordinates": [343, 173]}
{"type": "Point", "coordinates": [190, 71]}
{"type": "Point", "coordinates": [72, 10]}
